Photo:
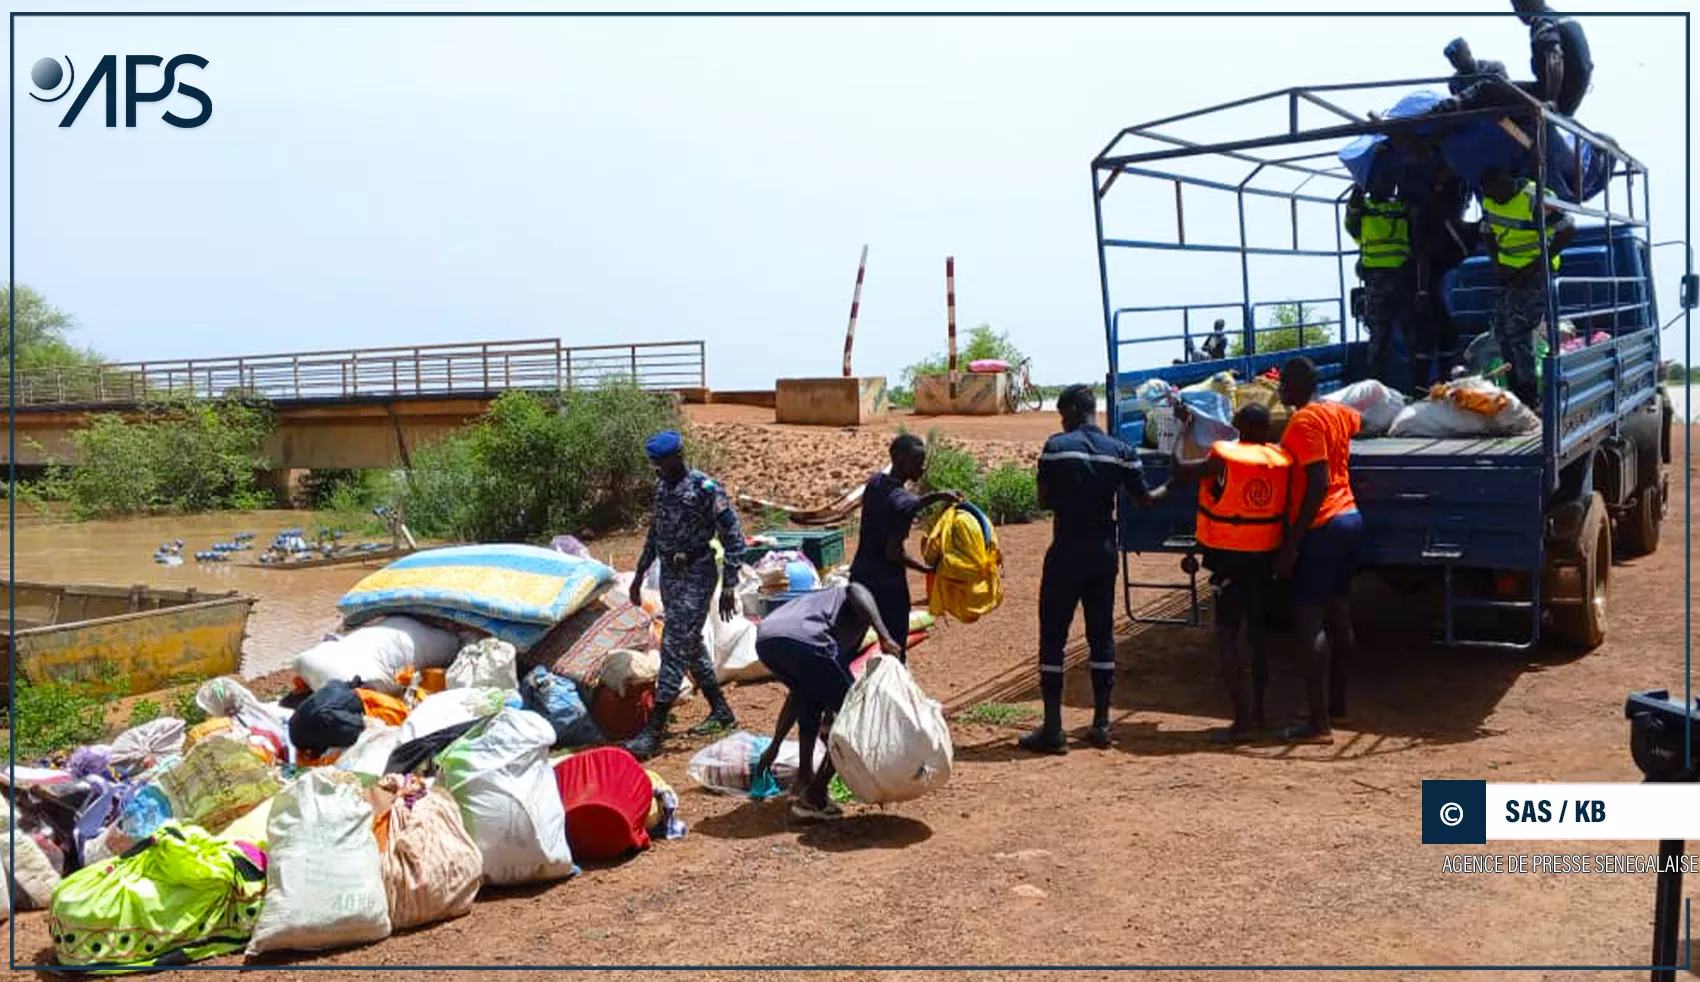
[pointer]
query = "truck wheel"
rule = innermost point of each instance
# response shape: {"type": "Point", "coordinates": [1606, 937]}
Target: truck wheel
{"type": "Point", "coordinates": [1639, 527]}
{"type": "Point", "coordinates": [1577, 582]}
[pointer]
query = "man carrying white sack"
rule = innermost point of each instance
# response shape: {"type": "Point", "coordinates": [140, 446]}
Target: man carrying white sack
{"type": "Point", "coordinates": [808, 644]}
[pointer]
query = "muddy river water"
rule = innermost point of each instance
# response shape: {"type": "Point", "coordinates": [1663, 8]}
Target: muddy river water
{"type": "Point", "coordinates": [293, 609]}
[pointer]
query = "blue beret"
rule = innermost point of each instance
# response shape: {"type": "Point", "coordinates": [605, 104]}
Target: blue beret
{"type": "Point", "coordinates": [663, 444]}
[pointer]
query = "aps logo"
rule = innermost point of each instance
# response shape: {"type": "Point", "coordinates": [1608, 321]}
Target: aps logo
{"type": "Point", "coordinates": [58, 81]}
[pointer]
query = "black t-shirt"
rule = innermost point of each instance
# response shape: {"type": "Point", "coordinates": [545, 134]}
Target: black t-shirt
{"type": "Point", "coordinates": [1551, 31]}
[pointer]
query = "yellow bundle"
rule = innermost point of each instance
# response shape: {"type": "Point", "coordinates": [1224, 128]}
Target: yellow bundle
{"type": "Point", "coordinates": [967, 582]}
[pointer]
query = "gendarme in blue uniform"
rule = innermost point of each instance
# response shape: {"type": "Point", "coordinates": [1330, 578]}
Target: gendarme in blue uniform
{"type": "Point", "coordinates": [688, 516]}
{"type": "Point", "coordinates": [1081, 472]}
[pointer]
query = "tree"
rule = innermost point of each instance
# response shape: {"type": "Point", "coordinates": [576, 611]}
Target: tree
{"type": "Point", "coordinates": [983, 343]}
{"type": "Point", "coordinates": [1284, 331]}
{"type": "Point", "coordinates": [39, 332]}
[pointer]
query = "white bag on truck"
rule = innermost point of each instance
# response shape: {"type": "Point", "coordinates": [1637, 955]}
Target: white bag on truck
{"type": "Point", "coordinates": [375, 652]}
{"type": "Point", "coordinates": [324, 877]}
{"type": "Point", "coordinates": [890, 742]}
{"type": "Point", "coordinates": [1374, 401]}
{"type": "Point", "coordinates": [499, 774]}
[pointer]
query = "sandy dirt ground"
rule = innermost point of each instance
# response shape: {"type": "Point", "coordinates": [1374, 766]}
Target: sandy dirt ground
{"type": "Point", "coordinates": [1164, 851]}
{"type": "Point", "coordinates": [809, 466]}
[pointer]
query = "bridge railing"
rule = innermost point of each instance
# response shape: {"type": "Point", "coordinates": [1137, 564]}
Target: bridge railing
{"type": "Point", "coordinates": [473, 369]}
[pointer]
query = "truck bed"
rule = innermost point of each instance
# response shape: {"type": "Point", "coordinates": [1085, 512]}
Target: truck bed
{"type": "Point", "coordinates": [1369, 450]}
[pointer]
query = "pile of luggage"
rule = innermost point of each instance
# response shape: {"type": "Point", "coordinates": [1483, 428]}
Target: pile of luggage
{"type": "Point", "coordinates": [448, 740]}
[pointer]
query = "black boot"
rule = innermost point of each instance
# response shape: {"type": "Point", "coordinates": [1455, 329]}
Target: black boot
{"type": "Point", "coordinates": [1048, 738]}
{"type": "Point", "coordinates": [720, 715]}
{"type": "Point", "coordinates": [648, 742]}
{"type": "Point", "coordinates": [1098, 734]}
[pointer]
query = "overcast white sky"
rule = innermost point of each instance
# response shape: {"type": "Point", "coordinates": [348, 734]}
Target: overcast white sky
{"type": "Point", "coordinates": [366, 182]}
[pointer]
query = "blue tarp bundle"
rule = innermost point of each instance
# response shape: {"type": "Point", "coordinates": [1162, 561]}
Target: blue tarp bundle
{"type": "Point", "coordinates": [1472, 146]}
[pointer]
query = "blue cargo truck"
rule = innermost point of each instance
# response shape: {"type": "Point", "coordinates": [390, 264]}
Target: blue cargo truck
{"type": "Point", "coordinates": [1514, 536]}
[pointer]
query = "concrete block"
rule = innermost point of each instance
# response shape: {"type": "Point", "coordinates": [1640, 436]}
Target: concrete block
{"type": "Point", "coordinates": [976, 395]}
{"type": "Point", "coordinates": [831, 401]}
{"type": "Point", "coordinates": [760, 398]}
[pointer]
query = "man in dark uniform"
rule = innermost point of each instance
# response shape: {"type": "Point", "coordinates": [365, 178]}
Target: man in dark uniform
{"type": "Point", "coordinates": [1080, 471]}
{"type": "Point", "coordinates": [882, 560]}
{"type": "Point", "coordinates": [690, 512]}
{"type": "Point", "coordinates": [1440, 242]}
{"type": "Point", "coordinates": [1559, 57]}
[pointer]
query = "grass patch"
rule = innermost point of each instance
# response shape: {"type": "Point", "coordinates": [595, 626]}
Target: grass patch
{"type": "Point", "coordinates": [144, 711]}
{"type": "Point", "coordinates": [50, 715]}
{"type": "Point", "coordinates": [997, 714]}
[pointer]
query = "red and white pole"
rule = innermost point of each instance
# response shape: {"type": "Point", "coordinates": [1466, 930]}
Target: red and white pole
{"type": "Point", "coordinates": [855, 307]}
{"type": "Point", "coordinates": [950, 316]}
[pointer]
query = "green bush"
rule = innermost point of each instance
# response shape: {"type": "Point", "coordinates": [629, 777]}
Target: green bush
{"type": "Point", "coordinates": [1008, 493]}
{"type": "Point", "coordinates": [983, 343]}
{"type": "Point", "coordinates": [185, 708]}
{"type": "Point", "coordinates": [536, 466]}
{"type": "Point", "coordinates": [47, 716]}
{"type": "Point", "coordinates": [1012, 494]}
{"type": "Point", "coordinates": [144, 711]}
{"type": "Point", "coordinates": [951, 468]}
{"type": "Point", "coordinates": [348, 497]}
{"type": "Point", "coordinates": [181, 455]}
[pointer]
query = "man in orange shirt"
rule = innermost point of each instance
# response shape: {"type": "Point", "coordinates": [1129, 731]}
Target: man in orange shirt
{"type": "Point", "coordinates": [1319, 549]}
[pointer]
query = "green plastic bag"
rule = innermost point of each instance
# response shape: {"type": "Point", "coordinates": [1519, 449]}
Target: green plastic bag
{"type": "Point", "coordinates": [178, 897]}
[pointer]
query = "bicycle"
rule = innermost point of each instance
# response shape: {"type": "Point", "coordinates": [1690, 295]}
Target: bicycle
{"type": "Point", "coordinates": [1022, 392]}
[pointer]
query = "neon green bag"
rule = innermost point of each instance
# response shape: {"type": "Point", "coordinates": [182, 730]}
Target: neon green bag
{"type": "Point", "coordinates": [178, 897]}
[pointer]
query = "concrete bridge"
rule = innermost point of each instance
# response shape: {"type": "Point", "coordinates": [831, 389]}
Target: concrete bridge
{"type": "Point", "coordinates": [355, 409]}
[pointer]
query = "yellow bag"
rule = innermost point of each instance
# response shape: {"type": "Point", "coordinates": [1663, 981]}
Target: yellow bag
{"type": "Point", "coordinates": [967, 583]}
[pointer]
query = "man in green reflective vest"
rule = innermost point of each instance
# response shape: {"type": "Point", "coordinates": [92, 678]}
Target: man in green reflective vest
{"type": "Point", "coordinates": [1513, 239]}
{"type": "Point", "coordinates": [1378, 222]}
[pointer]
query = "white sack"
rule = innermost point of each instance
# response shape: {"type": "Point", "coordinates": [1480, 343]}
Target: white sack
{"type": "Point", "coordinates": [376, 652]}
{"type": "Point", "coordinates": [451, 707]}
{"type": "Point", "coordinates": [488, 663]}
{"type": "Point", "coordinates": [140, 747]}
{"type": "Point", "coordinates": [890, 742]}
{"type": "Point", "coordinates": [37, 879]}
{"type": "Point", "coordinates": [371, 752]}
{"type": "Point", "coordinates": [324, 882]}
{"type": "Point", "coordinates": [499, 775]}
{"type": "Point", "coordinates": [1375, 402]}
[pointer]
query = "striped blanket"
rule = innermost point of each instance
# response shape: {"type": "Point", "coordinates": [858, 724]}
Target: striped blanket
{"type": "Point", "coordinates": [515, 592]}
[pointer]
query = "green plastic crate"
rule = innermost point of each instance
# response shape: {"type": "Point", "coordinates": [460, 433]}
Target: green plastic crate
{"type": "Point", "coordinates": [824, 547]}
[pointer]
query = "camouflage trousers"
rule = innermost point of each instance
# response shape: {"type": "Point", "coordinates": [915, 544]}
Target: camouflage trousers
{"type": "Point", "coordinates": [1387, 308]}
{"type": "Point", "coordinates": [1521, 308]}
{"type": "Point", "coordinates": [686, 594]}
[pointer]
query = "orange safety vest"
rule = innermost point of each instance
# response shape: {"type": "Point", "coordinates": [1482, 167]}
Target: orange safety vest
{"type": "Point", "coordinates": [1245, 511]}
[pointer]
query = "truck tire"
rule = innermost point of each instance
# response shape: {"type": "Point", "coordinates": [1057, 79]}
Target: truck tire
{"type": "Point", "coordinates": [1638, 527]}
{"type": "Point", "coordinates": [1577, 580]}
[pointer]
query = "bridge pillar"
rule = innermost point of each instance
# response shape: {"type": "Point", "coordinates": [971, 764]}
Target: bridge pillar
{"type": "Point", "coordinates": [288, 484]}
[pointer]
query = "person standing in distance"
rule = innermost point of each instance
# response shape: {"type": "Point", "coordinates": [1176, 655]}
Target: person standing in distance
{"type": "Point", "coordinates": [889, 508]}
{"type": "Point", "coordinates": [690, 511]}
{"type": "Point", "coordinates": [1080, 471]}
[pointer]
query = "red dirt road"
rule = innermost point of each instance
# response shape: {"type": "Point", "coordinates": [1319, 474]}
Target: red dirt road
{"type": "Point", "coordinates": [1164, 851]}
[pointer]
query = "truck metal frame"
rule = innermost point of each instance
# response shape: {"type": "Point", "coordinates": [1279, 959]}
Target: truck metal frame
{"type": "Point", "coordinates": [1516, 507]}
